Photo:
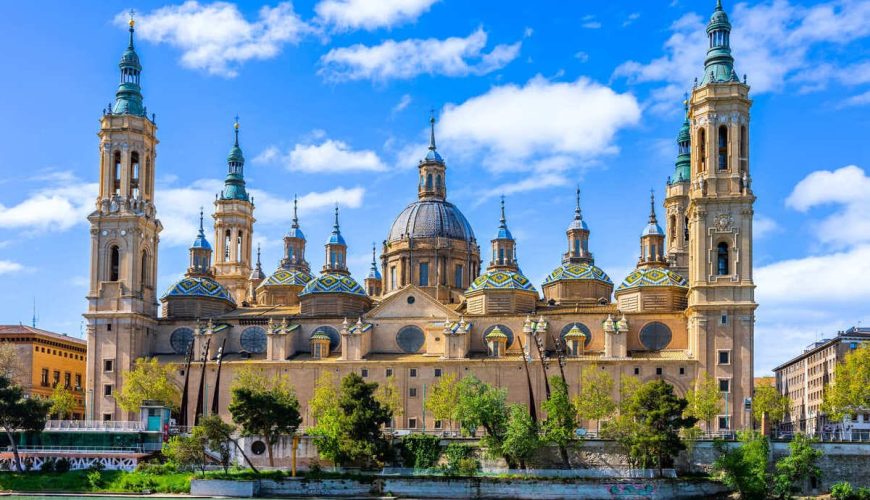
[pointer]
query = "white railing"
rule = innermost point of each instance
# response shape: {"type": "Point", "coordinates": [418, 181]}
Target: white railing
{"type": "Point", "coordinates": [94, 425]}
{"type": "Point", "coordinates": [83, 449]}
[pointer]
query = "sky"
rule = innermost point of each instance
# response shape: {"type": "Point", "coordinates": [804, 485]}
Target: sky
{"type": "Point", "coordinates": [532, 99]}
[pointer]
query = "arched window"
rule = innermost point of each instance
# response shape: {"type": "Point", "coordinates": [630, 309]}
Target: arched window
{"type": "Point", "coordinates": [228, 242]}
{"type": "Point", "coordinates": [239, 246]}
{"type": "Point", "coordinates": [114, 263]}
{"type": "Point", "coordinates": [146, 177]}
{"type": "Point", "coordinates": [723, 148]}
{"type": "Point", "coordinates": [576, 246]}
{"type": "Point", "coordinates": [438, 183]}
{"type": "Point", "coordinates": [116, 175]}
{"type": "Point", "coordinates": [702, 150]}
{"type": "Point", "coordinates": [743, 155]}
{"type": "Point", "coordinates": [722, 259]}
{"type": "Point", "coordinates": [673, 228]}
{"type": "Point", "coordinates": [134, 181]}
{"type": "Point", "coordinates": [144, 271]}
{"type": "Point", "coordinates": [686, 229]}
{"type": "Point", "coordinates": [429, 181]}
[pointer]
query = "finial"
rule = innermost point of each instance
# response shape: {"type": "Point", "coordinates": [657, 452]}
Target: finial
{"type": "Point", "coordinates": [502, 220]}
{"type": "Point", "coordinates": [335, 226]}
{"type": "Point", "coordinates": [577, 213]}
{"type": "Point", "coordinates": [132, 23]}
{"type": "Point", "coordinates": [652, 206]}
{"type": "Point", "coordinates": [719, 5]}
{"type": "Point", "coordinates": [373, 254]}
{"type": "Point", "coordinates": [201, 231]}
{"type": "Point", "coordinates": [236, 129]}
{"type": "Point", "coordinates": [258, 256]}
{"type": "Point", "coordinates": [295, 217]}
{"type": "Point", "coordinates": [432, 129]}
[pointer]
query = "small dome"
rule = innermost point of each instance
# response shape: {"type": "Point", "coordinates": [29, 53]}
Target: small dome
{"type": "Point", "coordinates": [581, 271]}
{"type": "Point", "coordinates": [201, 242]}
{"type": "Point", "coordinates": [654, 276]}
{"type": "Point", "coordinates": [285, 277]}
{"type": "Point", "coordinates": [431, 218]}
{"type": "Point", "coordinates": [653, 229]}
{"type": "Point", "coordinates": [295, 232]}
{"type": "Point", "coordinates": [336, 239]}
{"type": "Point", "coordinates": [496, 333]}
{"type": "Point", "coordinates": [130, 59]}
{"type": "Point", "coordinates": [578, 223]}
{"type": "Point", "coordinates": [333, 283]}
{"type": "Point", "coordinates": [575, 333]}
{"type": "Point", "coordinates": [198, 286]}
{"type": "Point", "coordinates": [433, 155]}
{"type": "Point", "coordinates": [321, 336]}
{"type": "Point", "coordinates": [501, 280]}
{"type": "Point", "coordinates": [236, 155]}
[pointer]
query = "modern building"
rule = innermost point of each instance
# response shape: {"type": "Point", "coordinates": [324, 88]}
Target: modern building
{"type": "Point", "coordinates": [46, 360]}
{"type": "Point", "coordinates": [433, 303]}
{"type": "Point", "coordinates": [804, 379]}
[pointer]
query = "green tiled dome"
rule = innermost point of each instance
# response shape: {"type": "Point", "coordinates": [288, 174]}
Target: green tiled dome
{"type": "Point", "coordinates": [333, 283]}
{"type": "Point", "coordinates": [655, 276]}
{"type": "Point", "coordinates": [501, 280]}
{"type": "Point", "coordinates": [582, 271]}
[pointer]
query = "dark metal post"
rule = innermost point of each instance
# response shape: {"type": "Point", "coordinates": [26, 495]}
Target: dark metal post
{"type": "Point", "coordinates": [217, 380]}
{"type": "Point", "coordinates": [199, 398]}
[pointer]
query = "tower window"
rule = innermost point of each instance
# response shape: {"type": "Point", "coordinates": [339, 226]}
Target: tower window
{"type": "Point", "coordinates": [457, 275]}
{"type": "Point", "coordinates": [438, 183]}
{"type": "Point", "coordinates": [722, 259]}
{"type": "Point", "coordinates": [686, 229]}
{"type": "Point", "coordinates": [114, 263]}
{"type": "Point", "coordinates": [116, 185]}
{"type": "Point", "coordinates": [392, 277]}
{"type": "Point", "coordinates": [134, 181]}
{"type": "Point", "coordinates": [429, 182]}
{"type": "Point", "coordinates": [228, 241]}
{"type": "Point", "coordinates": [723, 148]}
{"type": "Point", "coordinates": [673, 228]}
{"type": "Point", "coordinates": [144, 270]}
{"type": "Point", "coordinates": [424, 274]}
{"type": "Point", "coordinates": [239, 246]}
{"type": "Point", "coordinates": [743, 156]}
{"type": "Point", "coordinates": [146, 177]}
{"type": "Point", "coordinates": [702, 150]}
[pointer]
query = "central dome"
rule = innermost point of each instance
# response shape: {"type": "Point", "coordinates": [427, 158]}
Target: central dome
{"type": "Point", "coordinates": [431, 218]}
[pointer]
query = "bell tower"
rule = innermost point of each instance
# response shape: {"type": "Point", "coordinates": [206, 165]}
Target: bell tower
{"type": "Point", "coordinates": [721, 303]}
{"type": "Point", "coordinates": [234, 226]}
{"type": "Point", "coordinates": [122, 304]}
{"type": "Point", "coordinates": [677, 202]}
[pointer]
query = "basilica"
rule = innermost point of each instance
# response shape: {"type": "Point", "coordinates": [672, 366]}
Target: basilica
{"type": "Point", "coordinates": [432, 303]}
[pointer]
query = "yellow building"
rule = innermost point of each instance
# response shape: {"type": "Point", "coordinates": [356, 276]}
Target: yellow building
{"type": "Point", "coordinates": [46, 360]}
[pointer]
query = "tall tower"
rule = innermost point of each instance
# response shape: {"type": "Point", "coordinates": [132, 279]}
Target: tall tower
{"type": "Point", "coordinates": [234, 226]}
{"type": "Point", "coordinates": [122, 305]}
{"type": "Point", "coordinates": [677, 202]}
{"type": "Point", "coordinates": [578, 238]}
{"type": "Point", "coordinates": [721, 308]}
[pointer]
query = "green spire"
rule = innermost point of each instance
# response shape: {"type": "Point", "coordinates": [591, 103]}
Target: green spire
{"type": "Point", "coordinates": [128, 98]}
{"type": "Point", "coordinates": [684, 160]}
{"type": "Point", "coordinates": [719, 64]}
{"type": "Point", "coordinates": [234, 185]}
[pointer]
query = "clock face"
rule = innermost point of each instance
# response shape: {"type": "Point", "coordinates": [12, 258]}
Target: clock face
{"type": "Point", "coordinates": [253, 340]}
{"type": "Point", "coordinates": [181, 339]}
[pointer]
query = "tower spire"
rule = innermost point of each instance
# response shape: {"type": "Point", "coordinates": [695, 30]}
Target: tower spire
{"type": "Point", "coordinates": [295, 214]}
{"type": "Point", "coordinates": [128, 98]}
{"type": "Point", "coordinates": [652, 207]}
{"type": "Point", "coordinates": [578, 215]}
{"type": "Point", "coordinates": [234, 185]}
{"type": "Point", "coordinates": [719, 64]}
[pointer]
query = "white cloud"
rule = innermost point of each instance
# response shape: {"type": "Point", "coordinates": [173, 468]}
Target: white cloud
{"type": "Point", "coordinates": [832, 278]}
{"type": "Point", "coordinates": [763, 226]}
{"type": "Point", "coordinates": [63, 203]}
{"type": "Point", "coordinates": [856, 100]}
{"type": "Point", "coordinates": [392, 60]}
{"type": "Point", "coordinates": [634, 16]}
{"type": "Point", "coordinates": [589, 22]}
{"type": "Point", "coordinates": [581, 56]}
{"type": "Point", "coordinates": [345, 15]}
{"type": "Point", "coordinates": [774, 42]}
{"type": "Point", "coordinates": [329, 156]}
{"type": "Point", "coordinates": [8, 266]}
{"type": "Point", "coordinates": [402, 104]}
{"type": "Point", "coordinates": [216, 37]}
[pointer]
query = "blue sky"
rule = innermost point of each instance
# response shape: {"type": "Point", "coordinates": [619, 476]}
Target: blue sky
{"type": "Point", "coordinates": [533, 98]}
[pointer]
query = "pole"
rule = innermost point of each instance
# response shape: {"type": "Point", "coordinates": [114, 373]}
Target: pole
{"type": "Point", "coordinates": [293, 455]}
{"type": "Point", "coordinates": [217, 380]}
{"type": "Point", "coordinates": [182, 420]}
{"type": "Point", "coordinates": [199, 398]}
{"type": "Point", "coordinates": [539, 343]}
{"type": "Point", "coordinates": [533, 412]}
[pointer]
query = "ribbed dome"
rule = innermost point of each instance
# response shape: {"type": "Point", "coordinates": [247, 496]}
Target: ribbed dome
{"type": "Point", "coordinates": [333, 283]}
{"type": "Point", "coordinates": [431, 218]}
{"type": "Point", "coordinates": [501, 280]}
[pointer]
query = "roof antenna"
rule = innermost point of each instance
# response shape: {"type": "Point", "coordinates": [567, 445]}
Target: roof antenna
{"type": "Point", "coordinates": [34, 313]}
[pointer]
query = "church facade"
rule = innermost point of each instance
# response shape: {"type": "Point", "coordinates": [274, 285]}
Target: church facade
{"type": "Point", "coordinates": [432, 304]}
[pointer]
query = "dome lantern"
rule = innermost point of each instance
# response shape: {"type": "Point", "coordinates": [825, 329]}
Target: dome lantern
{"type": "Point", "coordinates": [128, 98]}
{"type": "Point", "coordinates": [234, 185]}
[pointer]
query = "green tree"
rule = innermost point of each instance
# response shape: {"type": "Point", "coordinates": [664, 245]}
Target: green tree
{"type": "Point", "coordinates": [628, 385]}
{"type": "Point", "coordinates": [10, 362]}
{"type": "Point", "coordinates": [521, 436]}
{"type": "Point", "coordinates": [744, 468]}
{"type": "Point", "coordinates": [188, 452]}
{"type": "Point", "coordinates": [704, 400]}
{"type": "Point", "coordinates": [63, 402]}
{"type": "Point", "coordinates": [220, 439]}
{"type": "Point", "coordinates": [595, 401]}
{"type": "Point", "coordinates": [267, 408]}
{"type": "Point", "coordinates": [561, 421]}
{"type": "Point", "coordinates": [20, 413]}
{"type": "Point", "coordinates": [148, 380]}
{"type": "Point", "coordinates": [799, 465]}
{"type": "Point", "coordinates": [442, 399]}
{"type": "Point", "coordinates": [389, 397]}
{"type": "Point", "coordinates": [327, 416]}
{"type": "Point", "coordinates": [767, 400]}
{"type": "Point", "coordinates": [481, 405]}
{"type": "Point", "coordinates": [851, 388]}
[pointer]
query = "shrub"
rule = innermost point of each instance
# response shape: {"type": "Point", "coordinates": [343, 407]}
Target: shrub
{"type": "Point", "coordinates": [48, 465]}
{"type": "Point", "coordinates": [744, 468]}
{"type": "Point", "coordinates": [842, 491]}
{"type": "Point", "coordinates": [95, 479]}
{"type": "Point", "coordinates": [62, 465]}
{"type": "Point", "coordinates": [421, 450]}
{"type": "Point", "coordinates": [460, 460]}
{"type": "Point", "coordinates": [137, 482]}
{"type": "Point", "coordinates": [96, 466]}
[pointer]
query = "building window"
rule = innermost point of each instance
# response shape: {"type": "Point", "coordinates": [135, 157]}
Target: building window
{"type": "Point", "coordinates": [658, 370]}
{"type": "Point", "coordinates": [388, 372]}
{"type": "Point", "coordinates": [55, 378]}
{"type": "Point", "coordinates": [743, 156]}
{"type": "Point", "coordinates": [412, 372]}
{"type": "Point", "coordinates": [114, 262]}
{"type": "Point", "coordinates": [724, 385]}
{"type": "Point", "coordinates": [724, 357]}
{"type": "Point", "coordinates": [107, 389]}
{"type": "Point", "coordinates": [108, 365]}
{"type": "Point", "coordinates": [437, 372]}
{"type": "Point", "coordinates": [457, 276]}
{"type": "Point", "coordinates": [682, 370]}
{"type": "Point", "coordinates": [723, 148]}
{"type": "Point", "coordinates": [412, 392]}
{"type": "Point", "coordinates": [723, 423]}
{"type": "Point", "coordinates": [636, 370]}
{"type": "Point", "coordinates": [424, 274]}
{"type": "Point", "coordinates": [392, 277]}
{"type": "Point", "coordinates": [44, 380]}
{"type": "Point", "coordinates": [364, 373]}
{"type": "Point", "coordinates": [67, 380]}
{"type": "Point", "coordinates": [78, 381]}
{"type": "Point", "coordinates": [724, 319]}
{"type": "Point", "coordinates": [702, 150]}
{"type": "Point", "coordinates": [412, 423]}
{"type": "Point", "coordinates": [107, 417]}
{"type": "Point", "coordinates": [722, 259]}
{"type": "Point", "coordinates": [438, 424]}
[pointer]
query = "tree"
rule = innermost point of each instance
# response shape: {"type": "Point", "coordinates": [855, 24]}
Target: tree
{"type": "Point", "coordinates": [800, 465]}
{"type": "Point", "coordinates": [20, 413]}
{"type": "Point", "coordinates": [148, 380]}
{"type": "Point", "coordinates": [703, 399]}
{"type": "Point", "coordinates": [266, 408]}
{"type": "Point", "coordinates": [561, 421]}
{"type": "Point", "coordinates": [217, 435]}
{"type": "Point", "coordinates": [327, 416]}
{"type": "Point", "coordinates": [521, 436]}
{"type": "Point", "coordinates": [655, 417]}
{"type": "Point", "coordinates": [628, 386]}
{"type": "Point", "coordinates": [443, 398]}
{"type": "Point", "coordinates": [768, 401]}
{"type": "Point", "coordinates": [389, 397]}
{"type": "Point", "coordinates": [63, 402]}
{"type": "Point", "coordinates": [851, 388]}
{"type": "Point", "coordinates": [744, 467]}
{"type": "Point", "coordinates": [10, 362]}
{"type": "Point", "coordinates": [595, 401]}
{"type": "Point", "coordinates": [481, 405]}
{"type": "Point", "coordinates": [188, 452]}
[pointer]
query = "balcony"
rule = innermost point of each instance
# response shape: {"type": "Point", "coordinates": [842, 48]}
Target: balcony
{"type": "Point", "coordinates": [94, 425]}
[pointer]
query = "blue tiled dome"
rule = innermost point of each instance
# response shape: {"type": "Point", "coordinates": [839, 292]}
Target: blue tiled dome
{"type": "Point", "coordinates": [653, 229]}
{"type": "Point", "coordinates": [198, 286]}
{"type": "Point", "coordinates": [333, 283]}
{"type": "Point", "coordinates": [287, 277]}
{"type": "Point", "coordinates": [654, 276]}
{"type": "Point", "coordinates": [501, 280]}
{"type": "Point", "coordinates": [431, 218]}
{"type": "Point", "coordinates": [582, 271]}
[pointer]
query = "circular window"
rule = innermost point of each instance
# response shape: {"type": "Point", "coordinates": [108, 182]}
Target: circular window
{"type": "Point", "coordinates": [583, 328]}
{"type": "Point", "coordinates": [655, 336]}
{"type": "Point", "coordinates": [505, 330]}
{"type": "Point", "coordinates": [253, 340]}
{"type": "Point", "coordinates": [181, 339]}
{"type": "Point", "coordinates": [410, 338]}
{"type": "Point", "coordinates": [258, 447]}
{"type": "Point", "coordinates": [411, 299]}
{"type": "Point", "coordinates": [334, 337]}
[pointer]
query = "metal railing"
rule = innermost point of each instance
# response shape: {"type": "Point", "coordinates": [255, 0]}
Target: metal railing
{"type": "Point", "coordinates": [83, 449]}
{"type": "Point", "coordinates": [94, 425]}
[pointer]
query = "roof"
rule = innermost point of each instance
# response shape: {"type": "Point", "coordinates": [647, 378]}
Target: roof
{"type": "Point", "coordinates": [431, 218]}
{"type": "Point", "coordinates": [652, 276]}
{"type": "Point", "coordinates": [498, 279]}
{"type": "Point", "coordinates": [287, 277]}
{"type": "Point", "coordinates": [333, 283]}
{"type": "Point", "coordinates": [580, 271]}
{"type": "Point", "coordinates": [29, 330]}
{"type": "Point", "coordinates": [198, 286]}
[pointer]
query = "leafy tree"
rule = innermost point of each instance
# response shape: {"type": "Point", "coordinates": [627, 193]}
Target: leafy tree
{"type": "Point", "coordinates": [460, 460]}
{"type": "Point", "coordinates": [188, 452]}
{"type": "Point", "coordinates": [521, 436]}
{"type": "Point", "coordinates": [148, 380]}
{"type": "Point", "coordinates": [421, 450]}
{"type": "Point", "coordinates": [744, 467]}
{"type": "Point", "coordinates": [327, 416]}
{"type": "Point", "coordinates": [703, 400]}
{"type": "Point", "coordinates": [481, 405]}
{"type": "Point", "coordinates": [628, 385]}
{"type": "Point", "coordinates": [10, 361]}
{"type": "Point", "coordinates": [267, 408]}
{"type": "Point", "coordinates": [217, 433]}
{"type": "Point", "coordinates": [768, 400]}
{"type": "Point", "coordinates": [389, 397]}
{"type": "Point", "coordinates": [63, 402]}
{"type": "Point", "coordinates": [595, 401]}
{"type": "Point", "coordinates": [443, 398]}
{"type": "Point", "coordinates": [20, 413]}
{"type": "Point", "coordinates": [800, 465]}
{"type": "Point", "coordinates": [561, 421]}
{"type": "Point", "coordinates": [851, 388]}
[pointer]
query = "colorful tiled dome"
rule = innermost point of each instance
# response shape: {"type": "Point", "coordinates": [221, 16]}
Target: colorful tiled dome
{"type": "Point", "coordinates": [501, 280]}
{"type": "Point", "coordinates": [575, 333]}
{"type": "Point", "coordinates": [198, 286]}
{"type": "Point", "coordinates": [654, 276]}
{"type": "Point", "coordinates": [581, 271]}
{"type": "Point", "coordinates": [285, 277]}
{"type": "Point", "coordinates": [333, 283]}
{"type": "Point", "coordinates": [496, 333]}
